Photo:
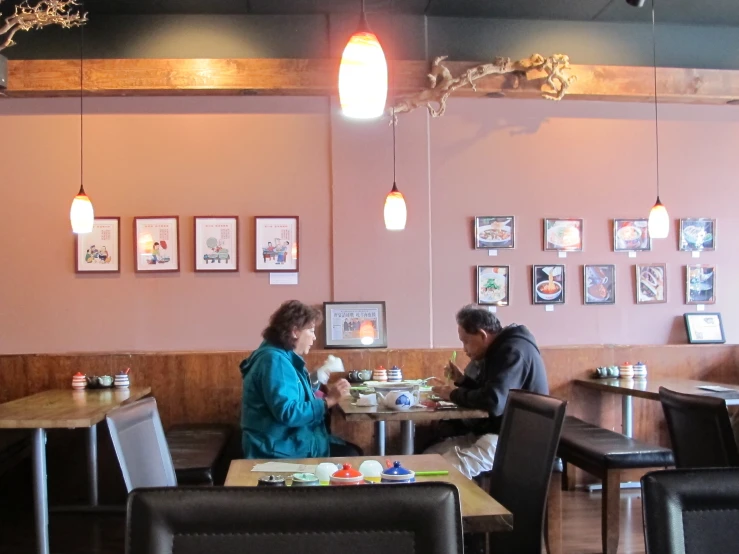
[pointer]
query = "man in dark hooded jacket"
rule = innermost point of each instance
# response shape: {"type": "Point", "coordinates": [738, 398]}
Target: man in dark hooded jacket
{"type": "Point", "coordinates": [502, 359]}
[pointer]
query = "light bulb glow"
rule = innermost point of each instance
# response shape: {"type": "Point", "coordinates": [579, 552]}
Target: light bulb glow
{"type": "Point", "coordinates": [395, 211]}
{"type": "Point", "coordinates": [81, 214]}
{"type": "Point", "coordinates": [659, 221]}
{"type": "Point", "coordinates": [363, 77]}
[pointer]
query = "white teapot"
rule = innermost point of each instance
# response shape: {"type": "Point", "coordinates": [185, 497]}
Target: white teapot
{"type": "Point", "coordinates": [400, 399]}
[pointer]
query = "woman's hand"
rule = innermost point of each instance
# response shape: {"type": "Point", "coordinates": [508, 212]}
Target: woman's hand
{"type": "Point", "coordinates": [337, 391]}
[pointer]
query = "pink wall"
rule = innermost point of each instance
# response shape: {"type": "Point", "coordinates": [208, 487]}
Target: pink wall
{"type": "Point", "coordinates": [278, 156]}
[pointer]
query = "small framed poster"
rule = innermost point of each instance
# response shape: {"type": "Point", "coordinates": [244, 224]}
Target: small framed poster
{"type": "Point", "coordinates": [99, 251]}
{"type": "Point", "coordinates": [631, 235]}
{"type": "Point", "coordinates": [697, 233]}
{"type": "Point", "coordinates": [354, 324]}
{"type": "Point", "coordinates": [156, 243]}
{"type": "Point", "coordinates": [548, 284]}
{"type": "Point", "coordinates": [704, 328]}
{"type": "Point", "coordinates": [495, 232]}
{"type": "Point", "coordinates": [651, 284]}
{"type": "Point", "coordinates": [216, 243]}
{"type": "Point", "coordinates": [492, 285]}
{"type": "Point", "coordinates": [700, 285]}
{"type": "Point", "coordinates": [277, 239]}
{"type": "Point", "coordinates": [600, 284]}
{"type": "Point", "coordinates": [563, 235]}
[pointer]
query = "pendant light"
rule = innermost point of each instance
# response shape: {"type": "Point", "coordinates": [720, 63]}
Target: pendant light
{"type": "Point", "coordinates": [395, 210]}
{"type": "Point", "coordinates": [363, 74]}
{"type": "Point", "coordinates": [366, 333]}
{"type": "Point", "coordinates": [81, 213]}
{"type": "Point", "coordinates": [659, 220]}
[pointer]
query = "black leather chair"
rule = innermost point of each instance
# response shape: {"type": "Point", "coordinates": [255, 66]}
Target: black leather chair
{"type": "Point", "coordinates": [369, 519]}
{"type": "Point", "coordinates": [522, 468]}
{"type": "Point", "coordinates": [700, 430]}
{"type": "Point", "coordinates": [691, 511]}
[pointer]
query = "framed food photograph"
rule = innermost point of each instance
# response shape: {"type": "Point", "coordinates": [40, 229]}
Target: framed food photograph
{"type": "Point", "coordinates": [548, 284]}
{"type": "Point", "coordinates": [651, 283]}
{"type": "Point", "coordinates": [600, 284]}
{"type": "Point", "coordinates": [697, 234]}
{"type": "Point", "coordinates": [156, 243]}
{"type": "Point", "coordinates": [704, 328]}
{"type": "Point", "coordinates": [631, 235]}
{"type": "Point", "coordinates": [216, 243]}
{"type": "Point", "coordinates": [563, 235]}
{"type": "Point", "coordinates": [277, 239]}
{"type": "Point", "coordinates": [354, 324]}
{"type": "Point", "coordinates": [99, 251]}
{"type": "Point", "coordinates": [493, 285]}
{"type": "Point", "coordinates": [493, 232]}
{"type": "Point", "coordinates": [700, 284]}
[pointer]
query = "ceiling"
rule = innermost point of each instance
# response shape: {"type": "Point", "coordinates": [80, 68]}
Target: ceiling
{"type": "Point", "coordinates": [711, 12]}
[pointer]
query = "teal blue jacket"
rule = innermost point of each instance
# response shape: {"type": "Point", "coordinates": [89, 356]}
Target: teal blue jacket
{"type": "Point", "coordinates": [280, 414]}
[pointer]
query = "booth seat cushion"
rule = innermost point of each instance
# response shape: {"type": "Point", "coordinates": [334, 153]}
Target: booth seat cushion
{"type": "Point", "coordinates": [581, 441]}
{"type": "Point", "coordinates": [196, 450]}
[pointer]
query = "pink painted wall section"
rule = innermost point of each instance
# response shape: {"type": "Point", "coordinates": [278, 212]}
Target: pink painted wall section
{"type": "Point", "coordinates": [592, 160]}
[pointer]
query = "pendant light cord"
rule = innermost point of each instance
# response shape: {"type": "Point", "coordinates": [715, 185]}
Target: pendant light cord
{"type": "Point", "coordinates": [656, 109]}
{"type": "Point", "coordinates": [82, 148]}
{"type": "Point", "coordinates": [393, 146]}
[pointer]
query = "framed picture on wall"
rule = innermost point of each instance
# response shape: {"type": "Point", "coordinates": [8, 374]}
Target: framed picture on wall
{"type": "Point", "coordinates": [651, 283]}
{"type": "Point", "coordinates": [156, 243]}
{"type": "Point", "coordinates": [563, 235]}
{"type": "Point", "coordinates": [704, 328]}
{"type": "Point", "coordinates": [700, 284]}
{"type": "Point", "coordinates": [493, 232]}
{"type": "Point", "coordinates": [493, 285]}
{"type": "Point", "coordinates": [277, 239]}
{"type": "Point", "coordinates": [548, 284]}
{"type": "Point", "coordinates": [216, 243]}
{"type": "Point", "coordinates": [100, 250]}
{"type": "Point", "coordinates": [631, 235]}
{"type": "Point", "coordinates": [600, 284]}
{"type": "Point", "coordinates": [697, 233]}
{"type": "Point", "coordinates": [355, 324]}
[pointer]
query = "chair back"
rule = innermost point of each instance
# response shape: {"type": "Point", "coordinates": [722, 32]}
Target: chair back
{"type": "Point", "coordinates": [691, 511]}
{"type": "Point", "coordinates": [522, 466]}
{"type": "Point", "coordinates": [700, 430]}
{"type": "Point", "coordinates": [364, 519]}
{"type": "Point", "coordinates": [140, 445]}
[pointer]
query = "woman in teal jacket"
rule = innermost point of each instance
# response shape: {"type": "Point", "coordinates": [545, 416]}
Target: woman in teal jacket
{"type": "Point", "coordinates": [281, 417]}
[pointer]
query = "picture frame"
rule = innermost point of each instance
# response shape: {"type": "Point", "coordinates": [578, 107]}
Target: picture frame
{"type": "Point", "coordinates": [216, 243]}
{"type": "Point", "coordinates": [651, 283]}
{"type": "Point", "coordinates": [156, 244]}
{"type": "Point", "coordinates": [704, 328]}
{"type": "Point", "coordinates": [697, 234]}
{"type": "Point", "coordinates": [355, 324]}
{"type": "Point", "coordinates": [493, 285]}
{"type": "Point", "coordinates": [551, 275]}
{"type": "Point", "coordinates": [631, 235]}
{"type": "Point", "coordinates": [100, 250]}
{"type": "Point", "coordinates": [495, 232]}
{"type": "Point", "coordinates": [599, 284]}
{"type": "Point", "coordinates": [700, 284]}
{"type": "Point", "coordinates": [277, 240]}
{"type": "Point", "coordinates": [563, 235]}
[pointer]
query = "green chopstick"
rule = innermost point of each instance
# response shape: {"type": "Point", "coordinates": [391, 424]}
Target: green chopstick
{"type": "Point", "coordinates": [430, 473]}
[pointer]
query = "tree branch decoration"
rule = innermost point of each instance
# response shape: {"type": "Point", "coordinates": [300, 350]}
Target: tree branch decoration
{"type": "Point", "coordinates": [46, 12]}
{"type": "Point", "coordinates": [442, 84]}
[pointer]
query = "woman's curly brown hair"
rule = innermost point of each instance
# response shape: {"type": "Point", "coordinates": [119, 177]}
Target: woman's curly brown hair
{"type": "Point", "coordinates": [293, 314]}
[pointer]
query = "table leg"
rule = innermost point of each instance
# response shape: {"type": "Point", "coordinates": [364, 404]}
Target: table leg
{"type": "Point", "coordinates": [92, 464]}
{"type": "Point", "coordinates": [406, 433]}
{"type": "Point", "coordinates": [380, 437]}
{"type": "Point", "coordinates": [627, 415]}
{"type": "Point", "coordinates": [40, 497]}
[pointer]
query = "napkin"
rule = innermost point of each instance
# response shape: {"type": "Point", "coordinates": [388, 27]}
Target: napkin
{"type": "Point", "coordinates": [331, 365]}
{"type": "Point", "coordinates": [283, 467]}
{"type": "Point", "coordinates": [367, 400]}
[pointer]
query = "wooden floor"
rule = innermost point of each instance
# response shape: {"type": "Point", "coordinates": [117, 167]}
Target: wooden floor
{"type": "Point", "coordinates": [85, 534]}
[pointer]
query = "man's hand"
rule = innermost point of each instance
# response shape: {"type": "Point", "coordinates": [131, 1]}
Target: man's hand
{"type": "Point", "coordinates": [453, 373]}
{"type": "Point", "coordinates": [443, 392]}
{"type": "Point", "coordinates": [337, 391]}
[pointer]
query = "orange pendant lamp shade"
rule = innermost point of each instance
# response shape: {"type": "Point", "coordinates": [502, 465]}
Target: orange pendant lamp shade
{"type": "Point", "coordinates": [363, 75]}
{"type": "Point", "coordinates": [366, 333]}
{"type": "Point", "coordinates": [659, 221]}
{"type": "Point", "coordinates": [81, 214]}
{"type": "Point", "coordinates": [395, 210]}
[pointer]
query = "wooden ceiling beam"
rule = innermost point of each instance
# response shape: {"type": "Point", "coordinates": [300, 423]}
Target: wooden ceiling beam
{"type": "Point", "coordinates": [302, 77]}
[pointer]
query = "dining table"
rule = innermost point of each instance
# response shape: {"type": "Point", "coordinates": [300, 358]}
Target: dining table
{"type": "Point", "coordinates": [63, 409]}
{"type": "Point", "coordinates": [481, 513]}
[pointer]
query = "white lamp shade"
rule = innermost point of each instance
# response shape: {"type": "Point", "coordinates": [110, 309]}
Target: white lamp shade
{"type": "Point", "coordinates": [395, 210]}
{"type": "Point", "coordinates": [81, 214]}
{"type": "Point", "coordinates": [659, 221]}
{"type": "Point", "coordinates": [363, 77]}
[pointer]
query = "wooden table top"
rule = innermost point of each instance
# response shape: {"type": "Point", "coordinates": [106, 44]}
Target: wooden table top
{"type": "Point", "coordinates": [65, 408]}
{"type": "Point", "coordinates": [350, 412]}
{"type": "Point", "coordinates": [480, 512]}
{"type": "Point", "coordinates": [649, 388]}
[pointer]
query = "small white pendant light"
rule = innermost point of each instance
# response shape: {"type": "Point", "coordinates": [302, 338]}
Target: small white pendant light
{"type": "Point", "coordinates": [395, 211]}
{"type": "Point", "coordinates": [659, 220]}
{"type": "Point", "coordinates": [81, 214]}
{"type": "Point", "coordinates": [363, 74]}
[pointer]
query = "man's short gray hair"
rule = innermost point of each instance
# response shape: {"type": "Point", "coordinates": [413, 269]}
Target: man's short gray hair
{"type": "Point", "coordinates": [473, 318]}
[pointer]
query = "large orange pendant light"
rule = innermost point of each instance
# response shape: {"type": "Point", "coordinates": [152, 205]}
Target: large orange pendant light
{"type": "Point", "coordinates": [659, 220]}
{"type": "Point", "coordinates": [363, 75]}
{"type": "Point", "coordinates": [81, 214]}
{"type": "Point", "coordinates": [395, 211]}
